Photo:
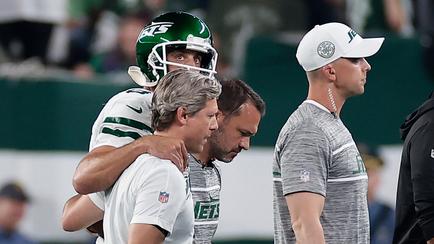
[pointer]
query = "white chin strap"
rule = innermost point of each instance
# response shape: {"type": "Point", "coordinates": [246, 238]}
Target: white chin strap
{"type": "Point", "coordinates": [138, 77]}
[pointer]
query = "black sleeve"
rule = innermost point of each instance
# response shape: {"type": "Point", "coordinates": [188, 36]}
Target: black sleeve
{"type": "Point", "coordinates": [422, 175]}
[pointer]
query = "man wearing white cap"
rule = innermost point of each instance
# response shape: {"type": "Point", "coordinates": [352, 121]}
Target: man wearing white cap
{"type": "Point", "coordinates": [320, 182]}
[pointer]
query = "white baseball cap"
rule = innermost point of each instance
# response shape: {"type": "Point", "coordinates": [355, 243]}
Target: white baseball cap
{"type": "Point", "coordinates": [328, 42]}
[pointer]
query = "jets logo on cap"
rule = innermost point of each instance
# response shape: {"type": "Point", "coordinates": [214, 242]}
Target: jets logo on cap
{"type": "Point", "coordinates": [326, 49]}
{"type": "Point", "coordinates": [351, 34]}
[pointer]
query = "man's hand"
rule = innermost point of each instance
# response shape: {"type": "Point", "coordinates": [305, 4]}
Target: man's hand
{"type": "Point", "coordinates": [168, 148]}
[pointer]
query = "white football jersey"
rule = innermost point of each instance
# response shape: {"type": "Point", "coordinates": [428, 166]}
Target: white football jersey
{"type": "Point", "coordinates": [149, 191]}
{"type": "Point", "coordinates": [125, 117]}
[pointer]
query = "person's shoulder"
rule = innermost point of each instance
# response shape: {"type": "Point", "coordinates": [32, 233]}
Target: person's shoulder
{"type": "Point", "coordinates": [429, 117]}
{"type": "Point", "coordinates": [218, 171]}
{"type": "Point", "coordinates": [300, 124]}
{"type": "Point", "coordinates": [148, 171]}
{"type": "Point", "coordinates": [423, 124]}
{"type": "Point", "coordinates": [157, 165]}
{"type": "Point", "coordinates": [134, 104]}
{"type": "Point", "coordinates": [133, 95]}
{"type": "Point", "coordinates": [305, 124]}
{"type": "Point", "coordinates": [214, 165]}
{"type": "Point", "coordinates": [304, 114]}
{"type": "Point", "coordinates": [164, 171]}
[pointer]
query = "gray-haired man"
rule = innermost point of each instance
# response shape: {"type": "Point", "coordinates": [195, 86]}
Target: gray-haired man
{"type": "Point", "coordinates": [152, 199]}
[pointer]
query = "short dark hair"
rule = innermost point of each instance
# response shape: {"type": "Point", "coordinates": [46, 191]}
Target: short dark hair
{"type": "Point", "coordinates": [13, 190]}
{"type": "Point", "coordinates": [236, 93]}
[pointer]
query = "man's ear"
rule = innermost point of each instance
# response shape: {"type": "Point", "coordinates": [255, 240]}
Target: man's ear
{"type": "Point", "coordinates": [181, 115]}
{"type": "Point", "coordinates": [329, 72]}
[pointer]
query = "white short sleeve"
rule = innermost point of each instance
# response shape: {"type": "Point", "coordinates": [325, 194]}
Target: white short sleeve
{"type": "Point", "coordinates": [98, 198]}
{"type": "Point", "coordinates": [161, 197]}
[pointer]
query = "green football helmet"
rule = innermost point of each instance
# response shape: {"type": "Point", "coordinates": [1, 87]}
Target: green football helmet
{"type": "Point", "coordinates": [173, 30]}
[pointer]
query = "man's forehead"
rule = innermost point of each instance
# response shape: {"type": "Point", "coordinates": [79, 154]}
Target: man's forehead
{"type": "Point", "coordinates": [211, 104]}
{"type": "Point", "coordinates": [248, 109]}
{"type": "Point", "coordinates": [247, 118]}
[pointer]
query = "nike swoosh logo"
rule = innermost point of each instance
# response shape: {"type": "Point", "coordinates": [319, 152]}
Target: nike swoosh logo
{"type": "Point", "coordinates": [135, 109]}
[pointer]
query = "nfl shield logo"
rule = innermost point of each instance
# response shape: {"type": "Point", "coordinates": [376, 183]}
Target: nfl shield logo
{"type": "Point", "coordinates": [164, 197]}
{"type": "Point", "coordinates": [305, 176]}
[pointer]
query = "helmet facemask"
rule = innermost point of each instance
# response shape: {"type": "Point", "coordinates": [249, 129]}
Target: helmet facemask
{"type": "Point", "coordinates": [171, 31]}
{"type": "Point", "coordinates": [158, 62]}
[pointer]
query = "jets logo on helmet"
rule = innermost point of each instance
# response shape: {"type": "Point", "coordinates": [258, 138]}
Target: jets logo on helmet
{"type": "Point", "coordinates": [155, 28]}
{"type": "Point", "coordinates": [177, 31]}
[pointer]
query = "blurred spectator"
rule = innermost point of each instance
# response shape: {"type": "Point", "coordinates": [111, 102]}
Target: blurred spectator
{"type": "Point", "coordinates": [101, 33]}
{"type": "Point", "coordinates": [123, 55]}
{"type": "Point", "coordinates": [380, 16]}
{"type": "Point", "coordinates": [26, 27]}
{"type": "Point", "coordinates": [13, 201]}
{"type": "Point", "coordinates": [237, 22]}
{"type": "Point", "coordinates": [88, 21]}
{"type": "Point", "coordinates": [381, 215]}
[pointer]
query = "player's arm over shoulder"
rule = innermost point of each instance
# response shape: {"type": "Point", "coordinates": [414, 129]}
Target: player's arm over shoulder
{"type": "Point", "coordinates": [117, 126]}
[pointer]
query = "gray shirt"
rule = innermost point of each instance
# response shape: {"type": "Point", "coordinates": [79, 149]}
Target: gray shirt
{"type": "Point", "coordinates": [205, 188]}
{"type": "Point", "coordinates": [316, 153]}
